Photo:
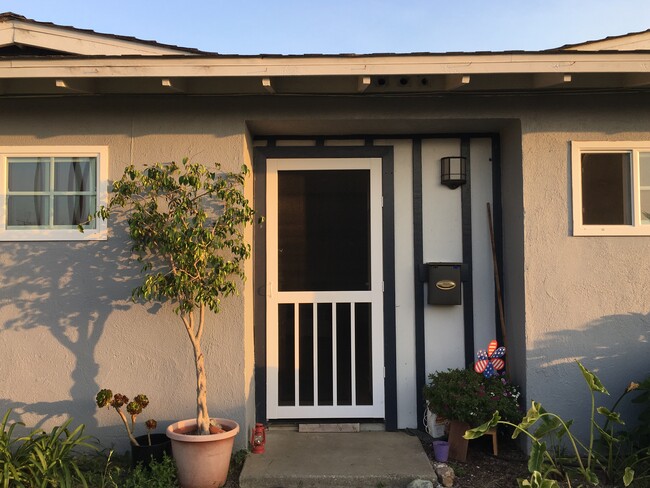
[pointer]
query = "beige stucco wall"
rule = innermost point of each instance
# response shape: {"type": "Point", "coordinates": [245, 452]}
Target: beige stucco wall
{"type": "Point", "coordinates": [67, 327]}
{"type": "Point", "coordinates": [586, 297]}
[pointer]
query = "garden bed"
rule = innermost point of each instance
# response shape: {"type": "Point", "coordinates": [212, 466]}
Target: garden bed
{"type": "Point", "coordinates": [483, 469]}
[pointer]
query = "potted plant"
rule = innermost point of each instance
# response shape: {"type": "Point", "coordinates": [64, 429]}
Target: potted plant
{"type": "Point", "coordinates": [145, 447]}
{"type": "Point", "coordinates": [186, 223]}
{"type": "Point", "coordinates": [469, 399]}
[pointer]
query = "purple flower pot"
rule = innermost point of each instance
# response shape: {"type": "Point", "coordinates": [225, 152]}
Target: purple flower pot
{"type": "Point", "coordinates": [441, 451]}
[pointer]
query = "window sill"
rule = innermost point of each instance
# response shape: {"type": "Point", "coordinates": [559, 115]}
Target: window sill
{"type": "Point", "coordinates": [71, 235]}
{"type": "Point", "coordinates": [611, 230]}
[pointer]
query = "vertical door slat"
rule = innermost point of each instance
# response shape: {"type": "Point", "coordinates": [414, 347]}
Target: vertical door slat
{"type": "Point", "coordinates": [315, 309]}
{"type": "Point", "coordinates": [353, 360]}
{"type": "Point", "coordinates": [296, 351]}
{"type": "Point", "coordinates": [334, 363]}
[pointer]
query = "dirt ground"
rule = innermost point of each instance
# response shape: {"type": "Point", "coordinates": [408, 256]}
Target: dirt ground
{"type": "Point", "coordinates": [483, 469]}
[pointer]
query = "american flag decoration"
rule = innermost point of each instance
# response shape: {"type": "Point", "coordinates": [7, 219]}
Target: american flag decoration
{"type": "Point", "coordinates": [490, 362]}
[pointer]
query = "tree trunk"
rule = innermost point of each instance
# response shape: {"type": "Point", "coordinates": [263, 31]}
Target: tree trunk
{"type": "Point", "coordinates": [202, 417]}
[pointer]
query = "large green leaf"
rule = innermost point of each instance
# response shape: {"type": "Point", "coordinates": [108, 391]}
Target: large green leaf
{"type": "Point", "coordinates": [589, 476]}
{"type": "Point", "coordinates": [548, 425]}
{"type": "Point", "coordinates": [477, 432]}
{"type": "Point", "coordinates": [628, 476]}
{"type": "Point", "coordinates": [531, 417]}
{"type": "Point", "coordinates": [537, 481]}
{"type": "Point", "coordinates": [592, 380]}
{"type": "Point", "coordinates": [611, 416]}
{"type": "Point", "coordinates": [536, 457]}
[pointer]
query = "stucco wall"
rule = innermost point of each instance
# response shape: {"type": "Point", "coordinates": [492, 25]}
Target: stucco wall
{"type": "Point", "coordinates": [67, 326]}
{"type": "Point", "coordinates": [586, 297]}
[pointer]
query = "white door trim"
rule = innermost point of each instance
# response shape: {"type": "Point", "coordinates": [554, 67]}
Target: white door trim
{"type": "Point", "coordinates": [374, 295]}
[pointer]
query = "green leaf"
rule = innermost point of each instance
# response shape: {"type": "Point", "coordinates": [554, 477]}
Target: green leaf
{"type": "Point", "coordinates": [589, 476]}
{"type": "Point", "coordinates": [537, 481]}
{"type": "Point", "coordinates": [548, 425]}
{"type": "Point", "coordinates": [536, 458]}
{"type": "Point", "coordinates": [628, 476]}
{"type": "Point", "coordinates": [592, 380]}
{"type": "Point", "coordinates": [531, 417]}
{"type": "Point", "coordinates": [477, 432]}
{"type": "Point", "coordinates": [564, 430]}
{"type": "Point", "coordinates": [611, 416]}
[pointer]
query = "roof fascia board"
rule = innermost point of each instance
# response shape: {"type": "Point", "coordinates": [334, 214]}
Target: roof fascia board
{"type": "Point", "coordinates": [6, 34]}
{"type": "Point", "coordinates": [79, 42]}
{"type": "Point", "coordinates": [201, 66]}
{"type": "Point", "coordinates": [634, 43]}
{"type": "Point", "coordinates": [626, 42]}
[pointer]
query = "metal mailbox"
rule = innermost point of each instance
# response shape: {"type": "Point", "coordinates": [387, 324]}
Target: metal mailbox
{"type": "Point", "coordinates": [444, 283]}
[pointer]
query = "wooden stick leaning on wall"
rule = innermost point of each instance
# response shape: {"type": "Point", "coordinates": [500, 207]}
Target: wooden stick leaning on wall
{"type": "Point", "coordinates": [497, 285]}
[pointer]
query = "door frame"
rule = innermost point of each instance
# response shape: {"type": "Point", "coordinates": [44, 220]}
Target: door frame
{"type": "Point", "coordinates": [385, 153]}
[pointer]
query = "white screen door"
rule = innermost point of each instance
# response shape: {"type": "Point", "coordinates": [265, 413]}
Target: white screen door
{"type": "Point", "coordinates": [324, 310]}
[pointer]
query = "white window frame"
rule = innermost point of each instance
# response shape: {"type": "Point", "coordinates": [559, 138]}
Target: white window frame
{"type": "Point", "coordinates": [13, 234]}
{"type": "Point", "coordinates": [633, 148]}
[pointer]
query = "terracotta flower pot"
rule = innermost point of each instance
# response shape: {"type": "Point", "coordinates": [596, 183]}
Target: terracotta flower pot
{"type": "Point", "coordinates": [202, 460]}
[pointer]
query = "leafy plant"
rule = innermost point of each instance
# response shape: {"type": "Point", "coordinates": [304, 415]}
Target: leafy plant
{"type": "Point", "coordinates": [39, 458]}
{"type": "Point", "coordinates": [159, 474]}
{"type": "Point", "coordinates": [586, 460]}
{"type": "Point", "coordinates": [186, 224]}
{"type": "Point", "coordinates": [105, 398]}
{"type": "Point", "coordinates": [464, 395]}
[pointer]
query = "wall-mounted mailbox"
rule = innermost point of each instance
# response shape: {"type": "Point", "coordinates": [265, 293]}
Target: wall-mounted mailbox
{"type": "Point", "coordinates": [444, 281]}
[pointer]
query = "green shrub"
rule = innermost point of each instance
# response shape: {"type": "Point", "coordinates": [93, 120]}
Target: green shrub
{"type": "Point", "coordinates": [41, 459]}
{"type": "Point", "coordinates": [464, 395]}
{"type": "Point", "coordinates": [616, 457]}
{"type": "Point", "coordinates": [157, 475]}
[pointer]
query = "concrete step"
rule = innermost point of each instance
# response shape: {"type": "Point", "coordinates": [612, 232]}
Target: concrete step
{"type": "Point", "coordinates": [337, 460]}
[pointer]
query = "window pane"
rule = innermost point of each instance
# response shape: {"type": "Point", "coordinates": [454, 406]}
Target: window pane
{"type": "Point", "coordinates": [644, 166]}
{"type": "Point", "coordinates": [74, 174]}
{"type": "Point", "coordinates": [645, 207]}
{"type": "Point", "coordinates": [30, 210]}
{"type": "Point", "coordinates": [29, 174]}
{"type": "Point", "coordinates": [71, 210]}
{"type": "Point", "coordinates": [606, 189]}
{"type": "Point", "coordinates": [644, 169]}
{"type": "Point", "coordinates": [324, 230]}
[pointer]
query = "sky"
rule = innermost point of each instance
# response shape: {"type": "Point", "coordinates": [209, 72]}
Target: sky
{"type": "Point", "coordinates": [348, 26]}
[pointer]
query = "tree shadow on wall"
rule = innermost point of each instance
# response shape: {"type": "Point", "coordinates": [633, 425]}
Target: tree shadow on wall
{"type": "Point", "coordinates": [615, 347]}
{"type": "Point", "coordinates": [69, 289]}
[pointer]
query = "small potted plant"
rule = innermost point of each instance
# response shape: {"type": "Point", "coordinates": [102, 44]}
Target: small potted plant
{"type": "Point", "coordinates": [145, 447]}
{"type": "Point", "coordinates": [186, 223]}
{"type": "Point", "coordinates": [469, 399]}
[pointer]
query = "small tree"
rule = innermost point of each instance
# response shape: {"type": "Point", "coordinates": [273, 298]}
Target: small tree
{"type": "Point", "coordinates": [186, 224]}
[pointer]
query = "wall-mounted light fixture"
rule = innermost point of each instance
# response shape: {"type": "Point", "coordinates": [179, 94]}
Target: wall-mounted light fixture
{"type": "Point", "coordinates": [453, 171]}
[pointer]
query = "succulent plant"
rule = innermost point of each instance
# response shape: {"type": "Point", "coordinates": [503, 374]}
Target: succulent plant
{"type": "Point", "coordinates": [105, 398]}
{"type": "Point", "coordinates": [151, 424]}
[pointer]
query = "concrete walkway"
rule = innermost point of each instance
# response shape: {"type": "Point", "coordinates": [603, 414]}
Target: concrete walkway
{"type": "Point", "coordinates": [337, 460]}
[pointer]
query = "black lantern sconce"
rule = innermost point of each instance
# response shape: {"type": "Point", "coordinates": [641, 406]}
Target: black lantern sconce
{"type": "Point", "coordinates": [453, 171]}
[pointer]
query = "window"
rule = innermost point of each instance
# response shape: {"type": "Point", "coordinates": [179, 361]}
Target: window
{"type": "Point", "coordinates": [611, 188]}
{"type": "Point", "coordinates": [48, 191]}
